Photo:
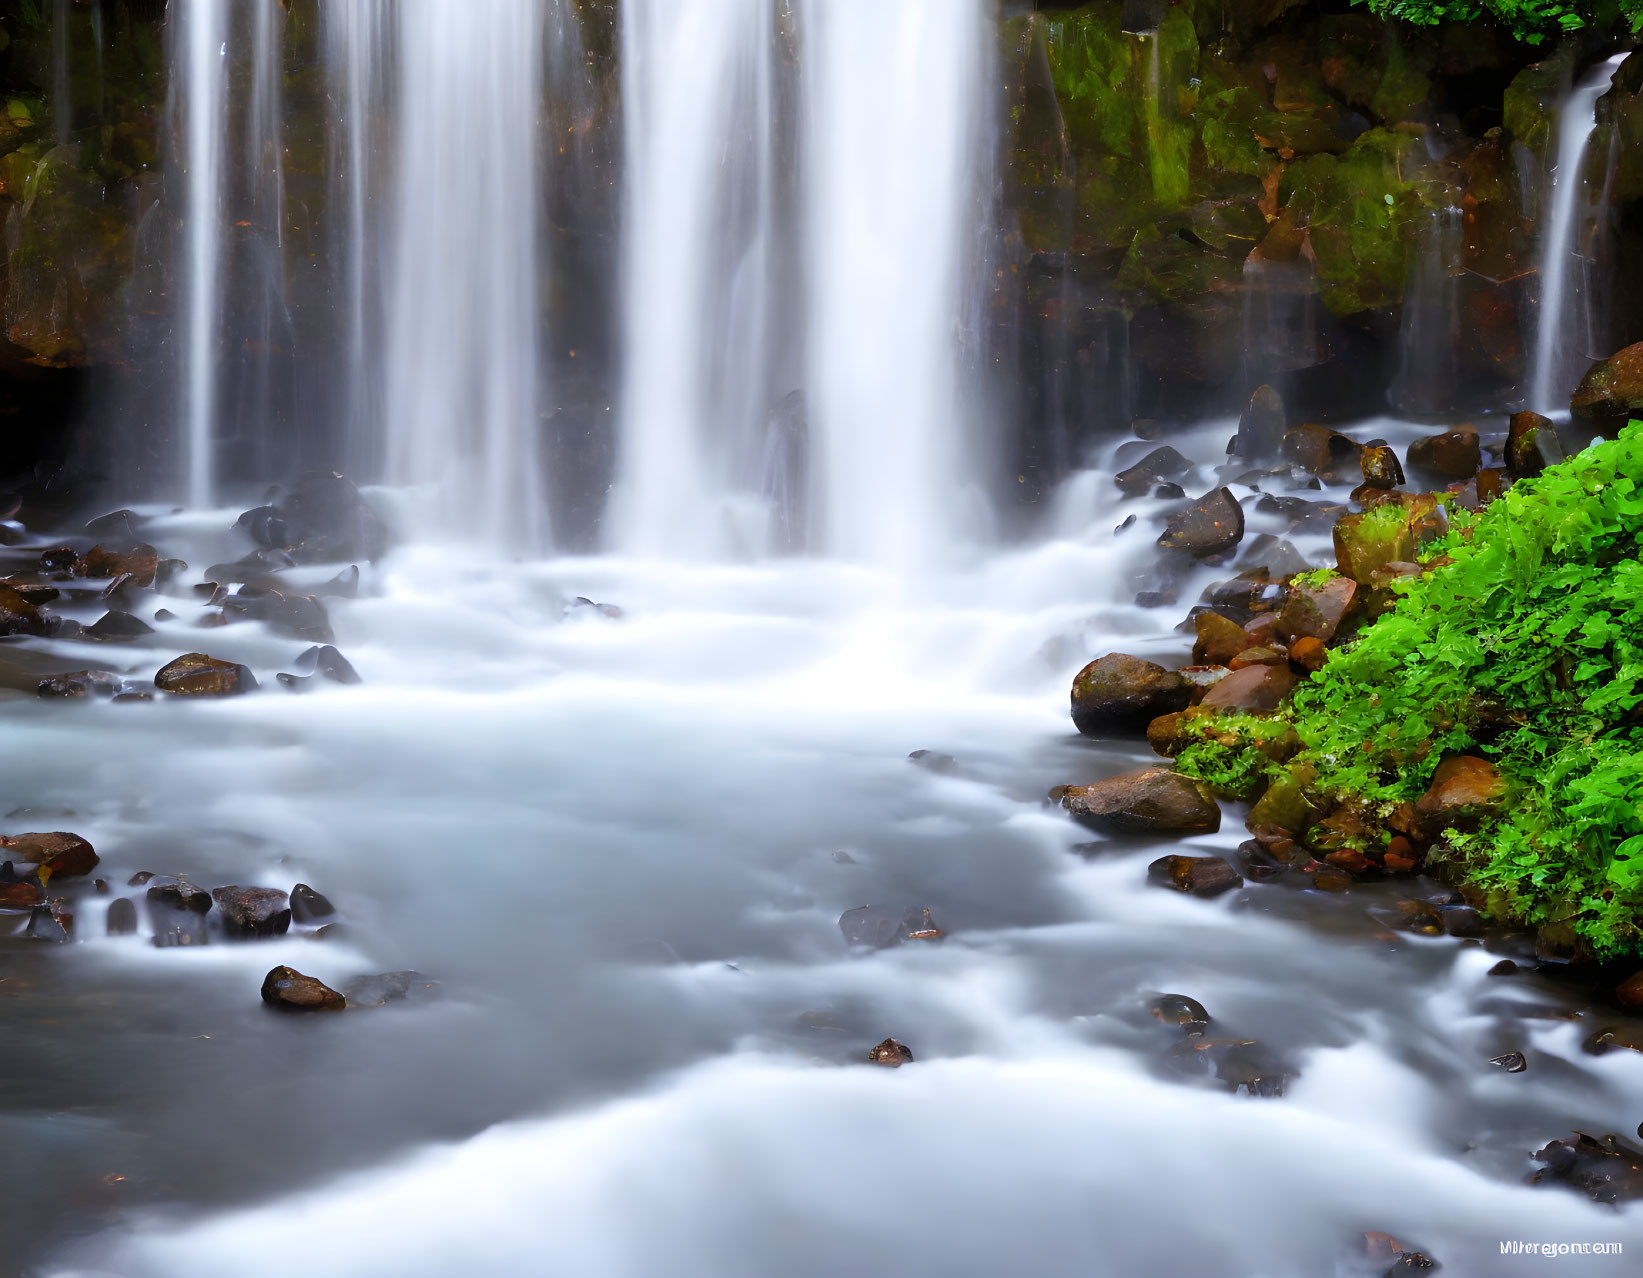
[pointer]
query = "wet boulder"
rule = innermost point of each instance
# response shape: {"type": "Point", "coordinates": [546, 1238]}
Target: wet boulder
{"type": "Point", "coordinates": [1118, 694]}
{"type": "Point", "coordinates": [1629, 993]}
{"type": "Point", "coordinates": [1463, 791]}
{"type": "Point", "coordinates": [1606, 1169]}
{"type": "Point", "coordinates": [320, 663]}
{"type": "Point", "coordinates": [1151, 801]}
{"type": "Point", "coordinates": [1156, 467]}
{"type": "Point", "coordinates": [1186, 1014]}
{"type": "Point", "coordinates": [891, 1054]}
{"type": "Point", "coordinates": [63, 854]}
{"type": "Point", "coordinates": [136, 559]}
{"type": "Point", "coordinates": [1454, 454]}
{"type": "Point", "coordinates": [116, 626]}
{"type": "Point", "coordinates": [1261, 428]}
{"type": "Point", "coordinates": [18, 616]}
{"type": "Point", "coordinates": [32, 589]}
{"type": "Point", "coordinates": [1316, 610]}
{"type": "Point", "coordinates": [1204, 876]}
{"type": "Point", "coordinates": [1309, 654]}
{"type": "Point", "coordinates": [252, 913]}
{"type": "Point", "coordinates": [1391, 533]}
{"type": "Point", "coordinates": [288, 990]}
{"type": "Point", "coordinates": [52, 922]}
{"type": "Point", "coordinates": [176, 893]}
{"type": "Point", "coordinates": [1258, 689]}
{"type": "Point", "coordinates": [1323, 452]}
{"type": "Point", "coordinates": [308, 906]}
{"type": "Point", "coordinates": [197, 675]}
{"type": "Point", "coordinates": [16, 891]}
{"type": "Point", "coordinates": [381, 988]}
{"type": "Point", "coordinates": [1611, 392]}
{"type": "Point", "coordinates": [326, 518]}
{"type": "Point", "coordinates": [1219, 639]}
{"type": "Point", "coordinates": [1380, 467]}
{"type": "Point", "coordinates": [1532, 444]}
{"type": "Point", "coordinates": [80, 683]}
{"type": "Point", "coordinates": [1209, 526]}
{"type": "Point", "coordinates": [881, 926]}
{"type": "Point", "coordinates": [260, 567]}
{"type": "Point", "coordinates": [302, 616]}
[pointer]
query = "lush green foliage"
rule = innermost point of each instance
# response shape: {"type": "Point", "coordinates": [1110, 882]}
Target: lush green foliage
{"type": "Point", "coordinates": [1531, 21]}
{"type": "Point", "coordinates": [1524, 645]}
{"type": "Point", "coordinates": [1235, 755]}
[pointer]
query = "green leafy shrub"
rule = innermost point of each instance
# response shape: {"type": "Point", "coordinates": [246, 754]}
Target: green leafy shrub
{"type": "Point", "coordinates": [1531, 21]}
{"type": "Point", "coordinates": [1235, 755]}
{"type": "Point", "coordinates": [1526, 647]}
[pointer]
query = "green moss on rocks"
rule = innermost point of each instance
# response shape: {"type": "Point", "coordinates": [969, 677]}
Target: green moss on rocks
{"type": "Point", "coordinates": [1359, 208]}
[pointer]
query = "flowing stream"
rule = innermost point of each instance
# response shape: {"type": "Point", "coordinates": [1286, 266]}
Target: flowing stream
{"type": "Point", "coordinates": [615, 844]}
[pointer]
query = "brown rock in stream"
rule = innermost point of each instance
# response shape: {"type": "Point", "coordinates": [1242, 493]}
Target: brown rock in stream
{"type": "Point", "coordinates": [1219, 640]}
{"type": "Point", "coordinates": [1120, 694]}
{"type": "Point", "coordinates": [65, 855]}
{"type": "Point", "coordinates": [1204, 876]}
{"type": "Point", "coordinates": [1212, 524]}
{"type": "Point", "coordinates": [1151, 801]}
{"type": "Point", "coordinates": [1455, 454]}
{"type": "Point", "coordinates": [289, 990]}
{"type": "Point", "coordinates": [250, 913]}
{"type": "Point", "coordinates": [1531, 445]}
{"type": "Point", "coordinates": [1316, 612]}
{"type": "Point", "coordinates": [197, 675]}
{"type": "Point", "coordinates": [891, 1054]}
{"type": "Point", "coordinates": [1612, 391]}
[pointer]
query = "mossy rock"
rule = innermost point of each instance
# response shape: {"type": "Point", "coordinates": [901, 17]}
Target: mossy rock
{"type": "Point", "coordinates": [1359, 209]}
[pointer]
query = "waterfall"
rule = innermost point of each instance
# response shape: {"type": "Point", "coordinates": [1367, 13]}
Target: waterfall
{"type": "Point", "coordinates": [1556, 356]}
{"type": "Point", "coordinates": [697, 106]}
{"type": "Point", "coordinates": [893, 130]}
{"type": "Point", "coordinates": [1427, 379]}
{"type": "Point", "coordinates": [200, 47]}
{"type": "Point", "coordinates": [462, 348]}
{"type": "Point", "coordinates": [357, 42]}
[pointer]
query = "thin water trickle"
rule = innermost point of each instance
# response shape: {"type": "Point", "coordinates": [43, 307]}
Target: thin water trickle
{"type": "Point", "coordinates": [201, 34]}
{"type": "Point", "coordinates": [1559, 340]}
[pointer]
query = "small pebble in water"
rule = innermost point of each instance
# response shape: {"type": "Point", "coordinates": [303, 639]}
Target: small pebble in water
{"type": "Point", "coordinates": [1512, 1062]}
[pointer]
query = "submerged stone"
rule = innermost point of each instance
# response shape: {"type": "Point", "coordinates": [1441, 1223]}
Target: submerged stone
{"type": "Point", "coordinates": [890, 1053]}
{"type": "Point", "coordinates": [882, 926]}
{"type": "Point", "coordinates": [1204, 876]}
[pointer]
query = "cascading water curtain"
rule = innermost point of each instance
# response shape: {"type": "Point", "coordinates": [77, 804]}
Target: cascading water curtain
{"type": "Point", "coordinates": [697, 108]}
{"type": "Point", "coordinates": [359, 38]}
{"type": "Point", "coordinates": [894, 128]}
{"type": "Point", "coordinates": [199, 33]}
{"type": "Point", "coordinates": [463, 347]}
